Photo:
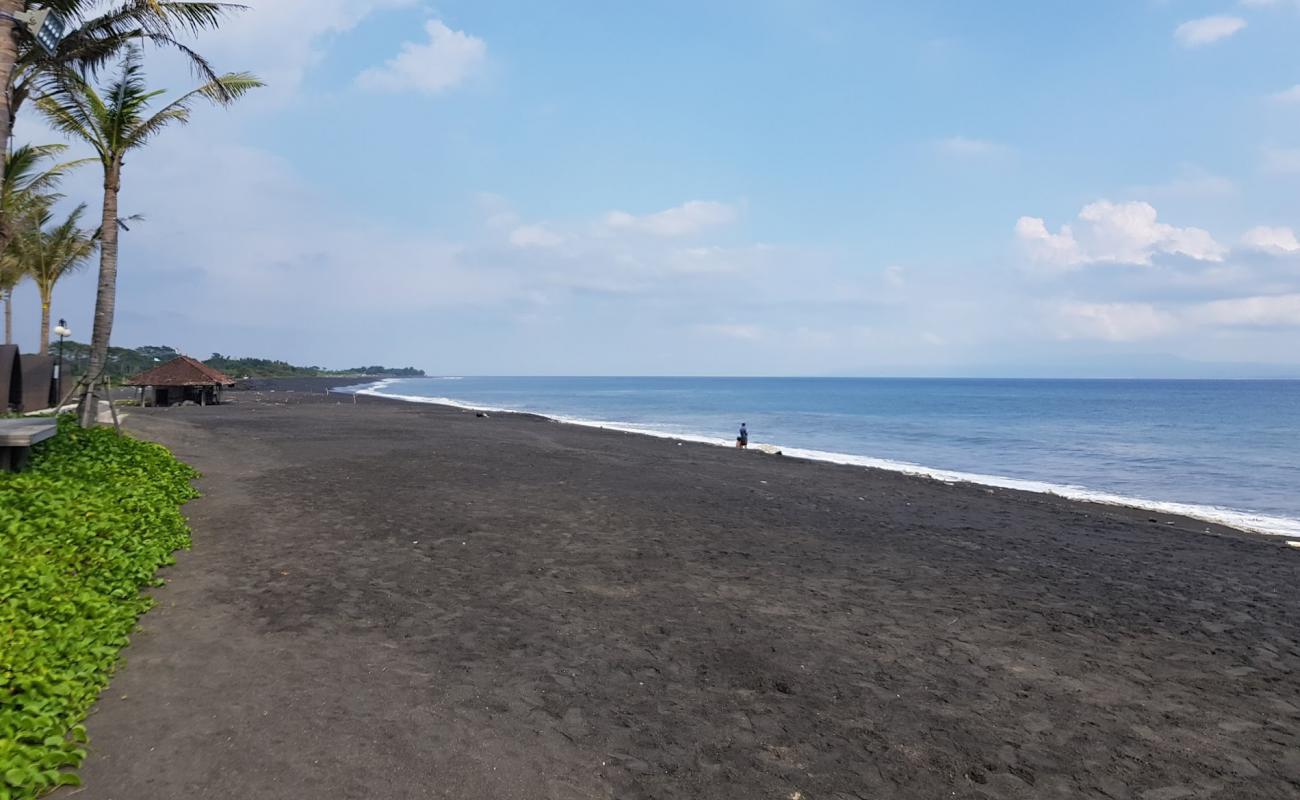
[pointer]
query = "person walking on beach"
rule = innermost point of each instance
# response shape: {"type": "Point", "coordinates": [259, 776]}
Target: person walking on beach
{"type": "Point", "coordinates": [742, 439]}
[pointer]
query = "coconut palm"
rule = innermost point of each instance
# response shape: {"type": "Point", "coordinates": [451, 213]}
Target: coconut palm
{"type": "Point", "coordinates": [26, 190]}
{"type": "Point", "coordinates": [114, 123]}
{"type": "Point", "coordinates": [48, 253]}
{"type": "Point", "coordinates": [28, 185]}
{"type": "Point", "coordinates": [11, 274]}
{"type": "Point", "coordinates": [98, 35]}
{"type": "Point", "coordinates": [97, 39]}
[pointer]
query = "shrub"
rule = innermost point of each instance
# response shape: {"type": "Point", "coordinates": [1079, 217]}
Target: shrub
{"type": "Point", "coordinates": [81, 533]}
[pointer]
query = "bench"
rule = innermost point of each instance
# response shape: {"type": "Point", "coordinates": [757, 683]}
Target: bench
{"type": "Point", "coordinates": [17, 437]}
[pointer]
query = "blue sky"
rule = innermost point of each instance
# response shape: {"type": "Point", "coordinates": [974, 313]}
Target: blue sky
{"type": "Point", "coordinates": [763, 187]}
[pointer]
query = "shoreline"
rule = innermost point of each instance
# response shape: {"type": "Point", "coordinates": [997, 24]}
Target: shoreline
{"type": "Point", "coordinates": [1265, 525]}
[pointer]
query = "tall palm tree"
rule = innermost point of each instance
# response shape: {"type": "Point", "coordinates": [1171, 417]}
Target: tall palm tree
{"type": "Point", "coordinates": [26, 191]}
{"type": "Point", "coordinates": [115, 123]}
{"type": "Point", "coordinates": [96, 35]}
{"type": "Point", "coordinates": [96, 39]}
{"type": "Point", "coordinates": [48, 253]}
{"type": "Point", "coordinates": [11, 274]}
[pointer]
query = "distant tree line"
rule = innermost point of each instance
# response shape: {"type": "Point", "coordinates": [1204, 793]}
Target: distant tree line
{"type": "Point", "coordinates": [266, 368]}
{"type": "Point", "coordinates": [124, 362]}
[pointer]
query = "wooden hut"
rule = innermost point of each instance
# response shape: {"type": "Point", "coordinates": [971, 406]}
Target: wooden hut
{"type": "Point", "coordinates": [181, 380]}
{"type": "Point", "coordinates": [11, 379]}
{"type": "Point", "coordinates": [38, 382]}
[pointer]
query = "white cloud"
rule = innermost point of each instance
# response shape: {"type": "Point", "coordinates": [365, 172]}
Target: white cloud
{"type": "Point", "coordinates": [1272, 240]}
{"type": "Point", "coordinates": [744, 333]}
{"type": "Point", "coordinates": [1114, 233]}
{"type": "Point", "coordinates": [685, 220]}
{"type": "Point", "coordinates": [717, 260]}
{"type": "Point", "coordinates": [895, 276]}
{"type": "Point", "coordinates": [282, 40]}
{"type": "Point", "coordinates": [1044, 247]}
{"type": "Point", "coordinates": [964, 147]}
{"type": "Point", "coordinates": [1282, 160]}
{"type": "Point", "coordinates": [1266, 311]}
{"type": "Point", "coordinates": [1287, 96]}
{"type": "Point", "coordinates": [535, 236]}
{"type": "Point", "coordinates": [1205, 30]}
{"type": "Point", "coordinates": [1193, 182]}
{"type": "Point", "coordinates": [1135, 321]}
{"type": "Point", "coordinates": [287, 234]}
{"type": "Point", "coordinates": [1114, 322]}
{"type": "Point", "coordinates": [445, 61]}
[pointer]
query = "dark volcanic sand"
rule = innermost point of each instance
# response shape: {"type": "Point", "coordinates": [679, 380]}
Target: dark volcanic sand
{"type": "Point", "coordinates": [400, 601]}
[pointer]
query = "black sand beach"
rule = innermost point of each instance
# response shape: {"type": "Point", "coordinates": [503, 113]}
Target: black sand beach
{"type": "Point", "coordinates": [403, 601]}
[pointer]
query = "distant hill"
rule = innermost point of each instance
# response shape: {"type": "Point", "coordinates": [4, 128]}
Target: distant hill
{"type": "Point", "coordinates": [124, 362]}
{"type": "Point", "coordinates": [266, 368]}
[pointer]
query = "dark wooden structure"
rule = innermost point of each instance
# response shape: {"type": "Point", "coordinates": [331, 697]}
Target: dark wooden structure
{"type": "Point", "coordinates": [38, 383]}
{"type": "Point", "coordinates": [181, 380]}
{"type": "Point", "coordinates": [11, 379]}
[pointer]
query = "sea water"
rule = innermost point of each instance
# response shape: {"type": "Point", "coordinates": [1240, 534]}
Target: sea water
{"type": "Point", "coordinates": [1222, 451]}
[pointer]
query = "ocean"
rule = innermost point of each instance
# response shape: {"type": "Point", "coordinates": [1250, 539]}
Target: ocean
{"type": "Point", "coordinates": [1222, 451]}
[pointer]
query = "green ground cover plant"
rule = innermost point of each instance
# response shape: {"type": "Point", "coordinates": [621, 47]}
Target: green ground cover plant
{"type": "Point", "coordinates": [81, 533]}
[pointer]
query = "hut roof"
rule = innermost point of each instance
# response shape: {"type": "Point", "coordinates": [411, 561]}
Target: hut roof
{"type": "Point", "coordinates": [182, 371]}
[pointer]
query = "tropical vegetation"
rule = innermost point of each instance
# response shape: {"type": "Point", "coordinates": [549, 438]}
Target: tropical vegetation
{"type": "Point", "coordinates": [27, 191]}
{"type": "Point", "coordinates": [82, 532]}
{"type": "Point", "coordinates": [49, 252]}
{"type": "Point", "coordinates": [114, 123]}
{"type": "Point", "coordinates": [265, 368]}
{"type": "Point", "coordinates": [97, 32]}
{"type": "Point", "coordinates": [88, 525]}
{"type": "Point", "coordinates": [123, 362]}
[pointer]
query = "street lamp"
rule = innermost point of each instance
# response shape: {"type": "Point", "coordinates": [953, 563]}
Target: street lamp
{"type": "Point", "coordinates": [62, 332]}
{"type": "Point", "coordinates": [45, 25]}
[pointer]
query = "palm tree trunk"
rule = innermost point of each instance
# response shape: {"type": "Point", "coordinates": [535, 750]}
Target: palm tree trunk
{"type": "Point", "coordinates": [9, 314]}
{"type": "Point", "coordinates": [8, 55]}
{"type": "Point", "coordinates": [105, 297]}
{"type": "Point", "coordinates": [44, 348]}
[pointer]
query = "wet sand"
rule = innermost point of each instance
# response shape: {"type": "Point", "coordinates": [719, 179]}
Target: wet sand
{"type": "Point", "coordinates": [393, 600]}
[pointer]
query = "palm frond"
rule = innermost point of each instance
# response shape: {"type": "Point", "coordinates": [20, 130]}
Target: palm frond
{"type": "Point", "coordinates": [48, 252]}
{"type": "Point", "coordinates": [96, 39]}
{"type": "Point", "coordinates": [69, 112]}
{"type": "Point", "coordinates": [224, 90]}
{"type": "Point", "coordinates": [28, 187]}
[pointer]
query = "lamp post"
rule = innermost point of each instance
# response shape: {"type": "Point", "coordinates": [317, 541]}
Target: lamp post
{"type": "Point", "coordinates": [62, 332]}
{"type": "Point", "coordinates": [45, 25]}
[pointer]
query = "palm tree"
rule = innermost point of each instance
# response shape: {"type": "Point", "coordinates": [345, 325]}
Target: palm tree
{"type": "Point", "coordinates": [95, 41]}
{"type": "Point", "coordinates": [26, 191]}
{"type": "Point", "coordinates": [11, 274]}
{"type": "Point", "coordinates": [28, 186]}
{"type": "Point", "coordinates": [97, 36]}
{"type": "Point", "coordinates": [113, 124]}
{"type": "Point", "coordinates": [48, 253]}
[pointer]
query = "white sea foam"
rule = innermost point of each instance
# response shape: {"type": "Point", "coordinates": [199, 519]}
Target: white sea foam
{"type": "Point", "coordinates": [1242, 520]}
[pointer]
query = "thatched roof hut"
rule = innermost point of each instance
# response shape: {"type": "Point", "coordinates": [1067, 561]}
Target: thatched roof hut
{"type": "Point", "coordinates": [180, 380]}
